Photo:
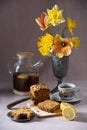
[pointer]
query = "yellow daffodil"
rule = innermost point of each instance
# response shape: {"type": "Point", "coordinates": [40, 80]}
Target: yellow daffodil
{"type": "Point", "coordinates": [75, 41]}
{"type": "Point", "coordinates": [71, 24]}
{"type": "Point", "coordinates": [55, 16]}
{"type": "Point", "coordinates": [44, 44]}
{"type": "Point", "coordinates": [62, 46]}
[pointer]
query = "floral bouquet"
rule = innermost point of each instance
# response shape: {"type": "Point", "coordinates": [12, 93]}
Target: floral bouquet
{"type": "Point", "coordinates": [49, 43]}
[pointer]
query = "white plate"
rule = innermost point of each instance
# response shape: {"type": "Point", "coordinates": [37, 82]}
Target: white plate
{"type": "Point", "coordinates": [76, 98]}
{"type": "Point", "coordinates": [41, 113]}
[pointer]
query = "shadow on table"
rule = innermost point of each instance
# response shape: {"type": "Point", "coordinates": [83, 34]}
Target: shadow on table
{"type": "Point", "coordinates": [81, 117]}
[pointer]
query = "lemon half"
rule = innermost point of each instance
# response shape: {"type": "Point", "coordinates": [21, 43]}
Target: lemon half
{"type": "Point", "coordinates": [65, 104]}
{"type": "Point", "coordinates": [69, 113]}
{"type": "Point", "coordinates": [68, 110]}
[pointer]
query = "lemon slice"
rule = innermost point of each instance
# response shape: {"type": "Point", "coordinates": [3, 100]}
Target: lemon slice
{"type": "Point", "coordinates": [63, 105]}
{"type": "Point", "coordinates": [23, 76]}
{"type": "Point", "coordinates": [69, 113]}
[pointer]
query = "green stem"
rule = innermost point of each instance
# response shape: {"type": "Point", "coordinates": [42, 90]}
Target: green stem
{"type": "Point", "coordinates": [49, 31]}
{"type": "Point", "coordinates": [63, 32]}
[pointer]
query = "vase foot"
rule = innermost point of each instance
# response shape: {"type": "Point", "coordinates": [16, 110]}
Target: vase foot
{"type": "Point", "coordinates": [54, 90]}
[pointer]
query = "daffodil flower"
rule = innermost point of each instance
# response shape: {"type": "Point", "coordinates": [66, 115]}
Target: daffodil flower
{"type": "Point", "coordinates": [55, 16]}
{"type": "Point", "coordinates": [71, 24]}
{"type": "Point", "coordinates": [62, 46]}
{"type": "Point", "coordinates": [75, 42]}
{"type": "Point", "coordinates": [42, 22]}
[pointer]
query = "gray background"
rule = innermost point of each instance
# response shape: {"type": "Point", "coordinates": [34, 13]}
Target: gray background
{"type": "Point", "coordinates": [19, 32]}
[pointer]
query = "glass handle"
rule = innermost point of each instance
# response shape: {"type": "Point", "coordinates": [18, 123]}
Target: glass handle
{"type": "Point", "coordinates": [38, 64]}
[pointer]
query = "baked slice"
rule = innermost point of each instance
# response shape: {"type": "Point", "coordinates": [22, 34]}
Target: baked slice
{"type": "Point", "coordinates": [39, 93]}
{"type": "Point", "coordinates": [49, 105]}
{"type": "Point", "coordinates": [22, 113]}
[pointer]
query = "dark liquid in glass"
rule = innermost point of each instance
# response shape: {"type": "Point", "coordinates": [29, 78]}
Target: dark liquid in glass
{"type": "Point", "coordinates": [23, 81]}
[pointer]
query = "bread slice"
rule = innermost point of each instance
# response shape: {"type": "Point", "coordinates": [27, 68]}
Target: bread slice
{"type": "Point", "coordinates": [39, 93]}
{"type": "Point", "coordinates": [49, 105]}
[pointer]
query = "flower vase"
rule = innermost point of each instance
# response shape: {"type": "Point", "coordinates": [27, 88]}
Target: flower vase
{"type": "Point", "coordinates": [59, 67]}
